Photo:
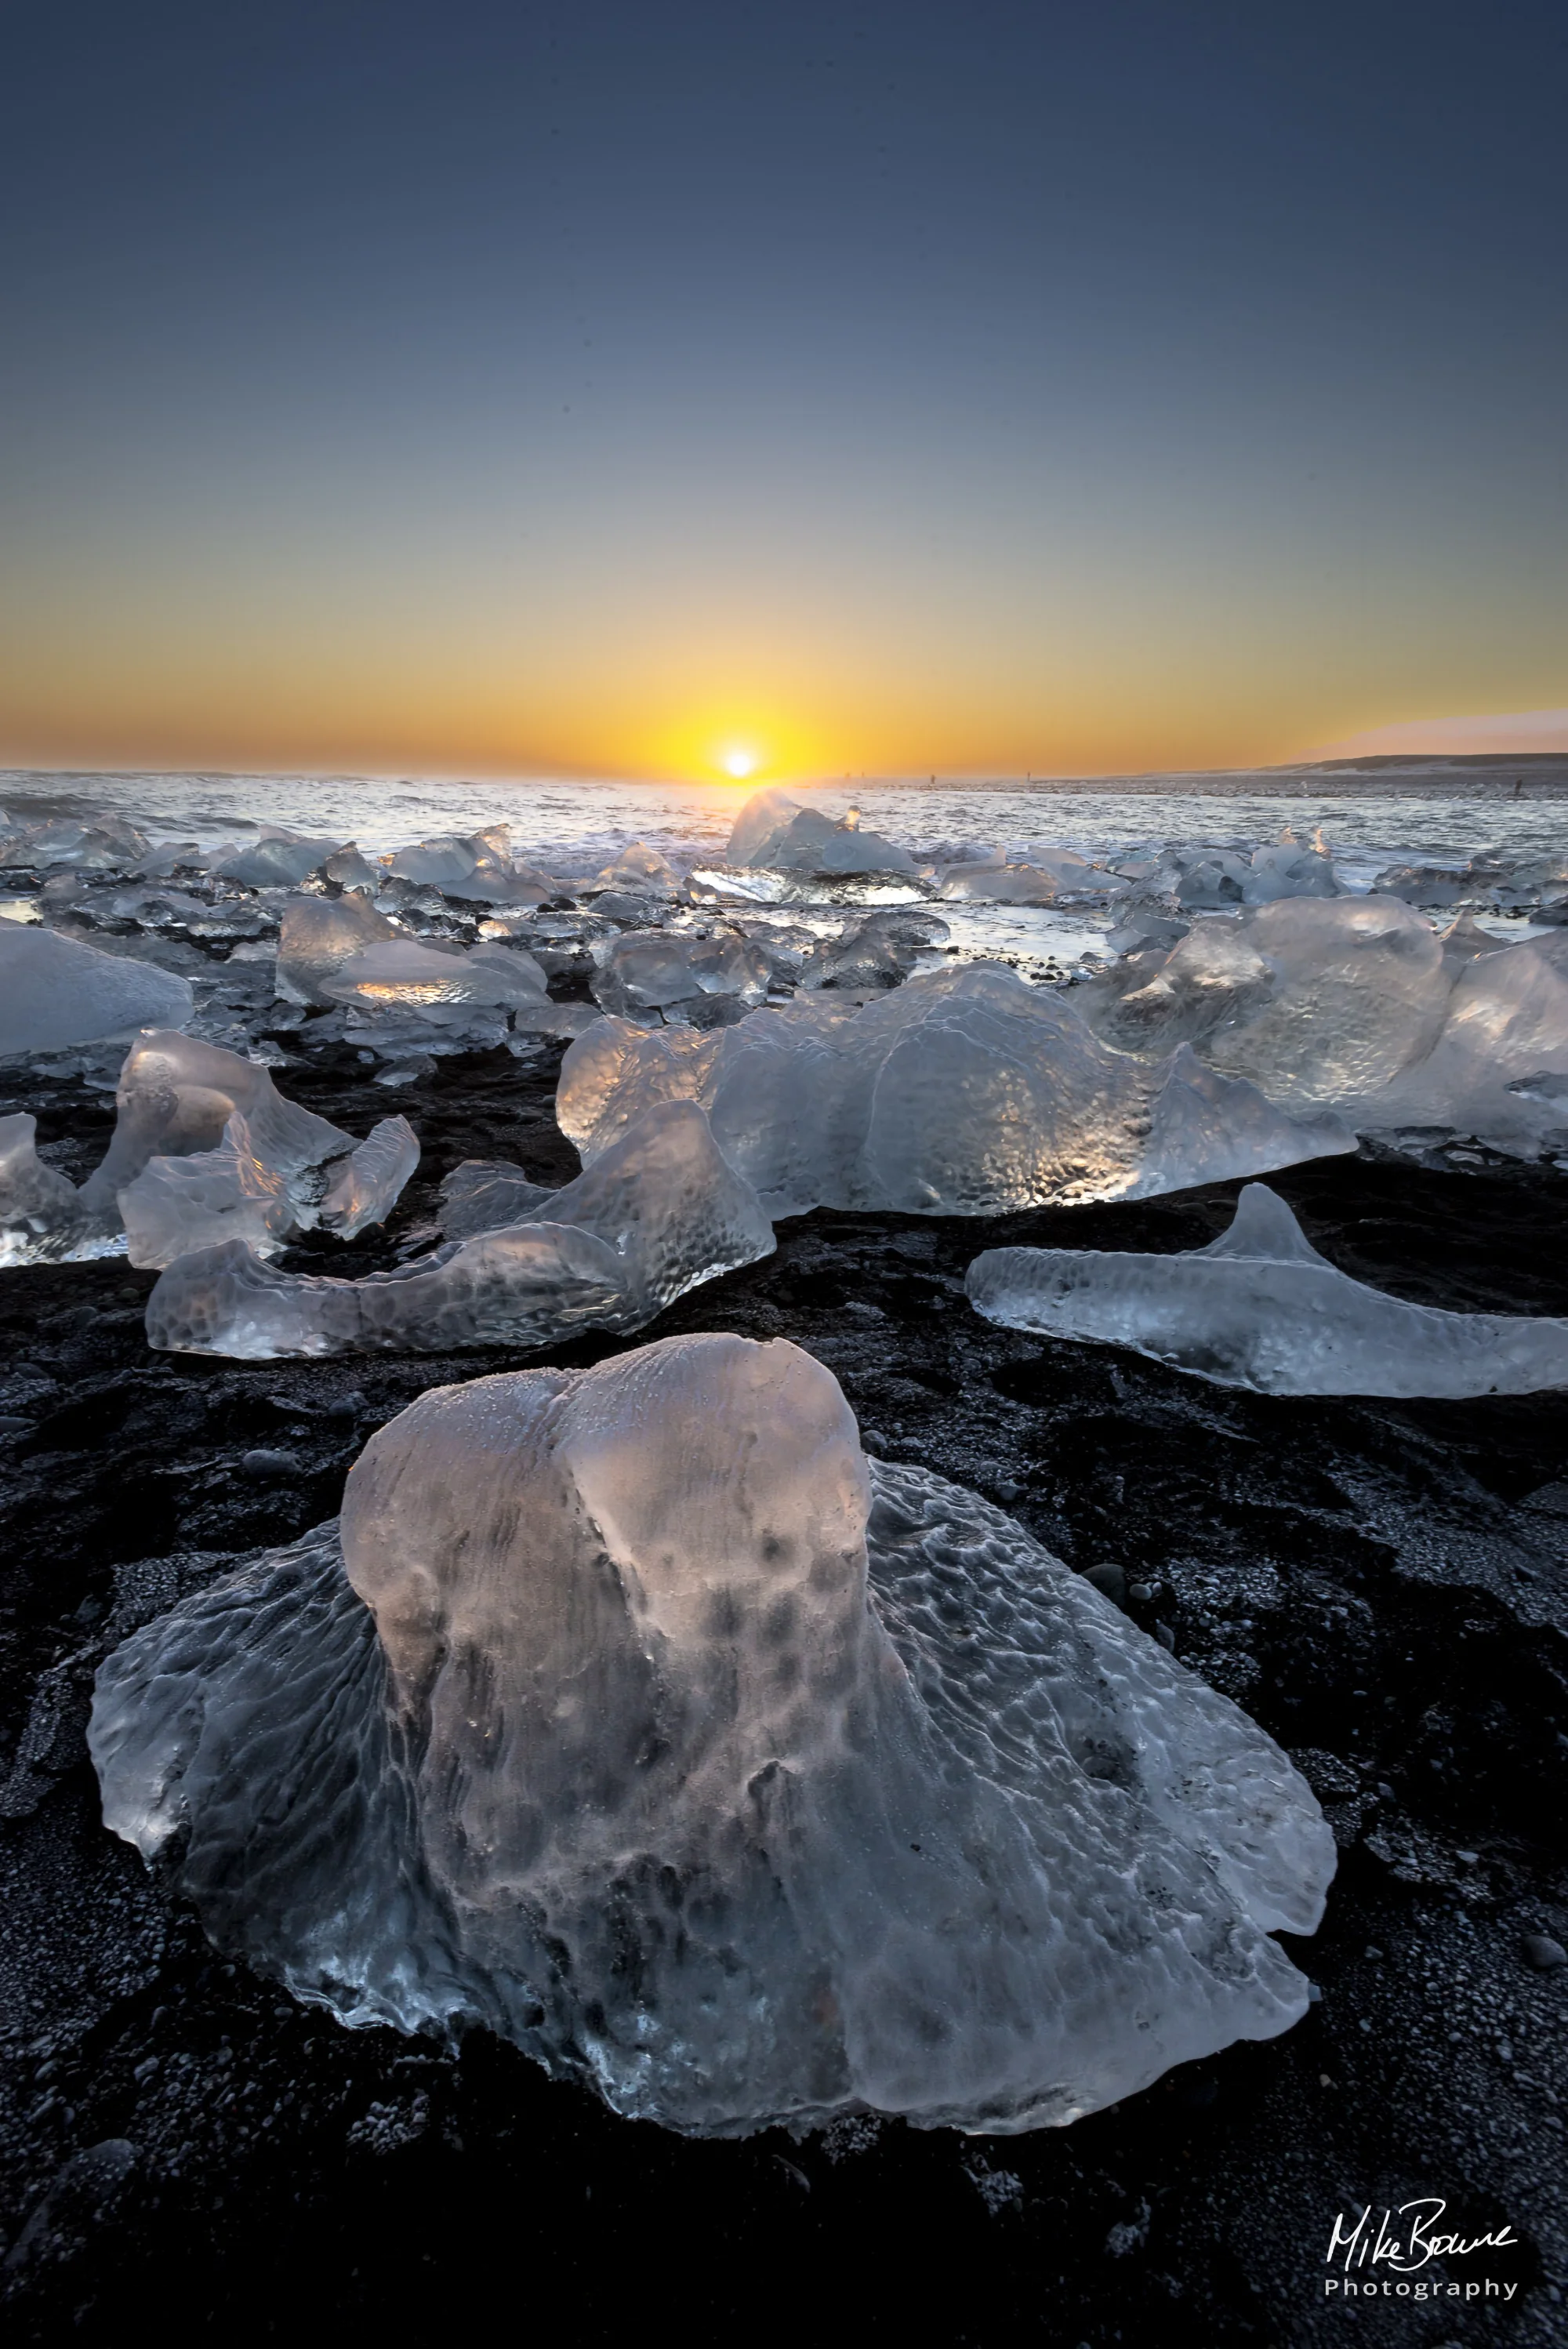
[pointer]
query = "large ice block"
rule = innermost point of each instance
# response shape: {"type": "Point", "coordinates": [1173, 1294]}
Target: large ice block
{"type": "Point", "coordinates": [641, 1719]}
{"type": "Point", "coordinates": [961, 1093]}
{"type": "Point", "coordinates": [55, 992]}
{"type": "Point", "coordinates": [656, 1215]}
{"type": "Point", "coordinates": [1359, 1006]}
{"type": "Point", "coordinates": [1261, 1308]}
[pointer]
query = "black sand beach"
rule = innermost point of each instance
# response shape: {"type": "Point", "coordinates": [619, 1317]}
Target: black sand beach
{"type": "Point", "coordinates": [1382, 1586]}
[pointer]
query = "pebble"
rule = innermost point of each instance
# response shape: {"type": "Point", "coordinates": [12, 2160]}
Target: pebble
{"type": "Point", "coordinates": [265, 1467]}
{"type": "Point", "coordinates": [1109, 1577]}
{"type": "Point", "coordinates": [1543, 1952]}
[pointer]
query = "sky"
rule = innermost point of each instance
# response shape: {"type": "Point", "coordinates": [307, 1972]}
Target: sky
{"type": "Point", "coordinates": [632, 386]}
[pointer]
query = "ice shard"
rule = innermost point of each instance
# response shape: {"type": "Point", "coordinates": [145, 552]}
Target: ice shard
{"type": "Point", "coordinates": [636, 1715]}
{"type": "Point", "coordinates": [961, 1093]}
{"type": "Point", "coordinates": [655, 1216]}
{"type": "Point", "coordinates": [55, 992]}
{"type": "Point", "coordinates": [400, 975]}
{"type": "Point", "coordinates": [42, 1217]}
{"type": "Point", "coordinates": [646, 972]}
{"type": "Point", "coordinates": [1261, 1308]}
{"type": "Point", "coordinates": [366, 1186]}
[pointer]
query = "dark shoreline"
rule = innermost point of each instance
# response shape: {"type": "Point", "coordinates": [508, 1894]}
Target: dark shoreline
{"type": "Point", "coordinates": [1384, 1585]}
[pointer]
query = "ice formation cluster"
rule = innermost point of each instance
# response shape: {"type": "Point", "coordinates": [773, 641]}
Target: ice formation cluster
{"type": "Point", "coordinates": [1261, 1308]}
{"type": "Point", "coordinates": [961, 1093]}
{"type": "Point", "coordinates": [637, 1716]}
{"type": "Point", "coordinates": [1357, 1005]}
{"type": "Point", "coordinates": [655, 1216]}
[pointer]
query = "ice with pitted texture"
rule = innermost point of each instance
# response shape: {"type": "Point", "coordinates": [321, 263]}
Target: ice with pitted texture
{"type": "Point", "coordinates": [176, 1096]}
{"type": "Point", "coordinates": [367, 1185]}
{"type": "Point", "coordinates": [655, 1216]}
{"type": "Point", "coordinates": [486, 1195]}
{"type": "Point", "coordinates": [1359, 1006]}
{"type": "Point", "coordinates": [42, 1218]}
{"type": "Point", "coordinates": [318, 936]}
{"type": "Point", "coordinates": [1261, 1308]}
{"type": "Point", "coordinates": [55, 992]}
{"type": "Point", "coordinates": [645, 971]}
{"type": "Point", "coordinates": [640, 1718]}
{"type": "Point", "coordinates": [962, 1093]}
{"type": "Point", "coordinates": [204, 1198]}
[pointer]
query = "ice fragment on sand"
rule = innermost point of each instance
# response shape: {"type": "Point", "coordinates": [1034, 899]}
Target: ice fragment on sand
{"type": "Point", "coordinates": [1261, 1308]}
{"type": "Point", "coordinates": [176, 1096]}
{"type": "Point", "coordinates": [642, 1720]}
{"type": "Point", "coordinates": [366, 1186]}
{"type": "Point", "coordinates": [653, 1218]}
{"type": "Point", "coordinates": [55, 991]}
{"type": "Point", "coordinates": [962, 1093]}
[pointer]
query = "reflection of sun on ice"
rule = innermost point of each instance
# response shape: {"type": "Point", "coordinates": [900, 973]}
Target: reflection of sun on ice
{"type": "Point", "coordinates": [739, 764]}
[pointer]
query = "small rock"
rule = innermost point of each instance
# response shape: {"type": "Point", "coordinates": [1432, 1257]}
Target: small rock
{"type": "Point", "coordinates": [265, 1467]}
{"type": "Point", "coordinates": [1543, 1952]}
{"type": "Point", "coordinates": [873, 1439]}
{"type": "Point", "coordinates": [1141, 1593]}
{"type": "Point", "coordinates": [1109, 1577]}
{"type": "Point", "coordinates": [11, 1423]}
{"type": "Point", "coordinates": [1165, 1637]}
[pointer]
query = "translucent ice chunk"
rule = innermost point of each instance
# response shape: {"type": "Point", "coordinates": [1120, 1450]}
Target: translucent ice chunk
{"type": "Point", "coordinates": [176, 1095]}
{"type": "Point", "coordinates": [880, 951]}
{"type": "Point", "coordinates": [277, 863]}
{"type": "Point", "coordinates": [366, 1186]}
{"type": "Point", "coordinates": [55, 991]}
{"type": "Point", "coordinates": [42, 1218]}
{"type": "Point", "coordinates": [641, 870]}
{"type": "Point", "coordinates": [774, 831]}
{"type": "Point", "coordinates": [486, 1195]}
{"type": "Point", "coordinates": [1359, 1006]}
{"type": "Point", "coordinates": [401, 974]}
{"type": "Point", "coordinates": [644, 970]}
{"type": "Point", "coordinates": [205, 1198]}
{"type": "Point", "coordinates": [962, 1093]}
{"type": "Point", "coordinates": [656, 1216]}
{"type": "Point", "coordinates": [1261, 1308]}
{"type": "Point", "coordinates": [642, 1719]}
{"type": "Point", "coordinates": [318, 936]}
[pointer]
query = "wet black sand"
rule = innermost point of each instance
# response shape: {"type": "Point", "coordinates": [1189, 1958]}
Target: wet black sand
{"type": "Point", "coordinates": [1384, 1585]}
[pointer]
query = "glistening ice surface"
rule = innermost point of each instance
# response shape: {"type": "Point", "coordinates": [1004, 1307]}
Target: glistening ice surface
{"type": "Point", "coordinates": [1261, 1308]}
{"type": "Point", "coordinates": [642, 1720]}
{"type": "Point", "coordinates": [966, 1092]}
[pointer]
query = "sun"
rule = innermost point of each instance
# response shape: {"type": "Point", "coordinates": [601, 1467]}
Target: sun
{"type": "Point", "coordinates": [739, 764]}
